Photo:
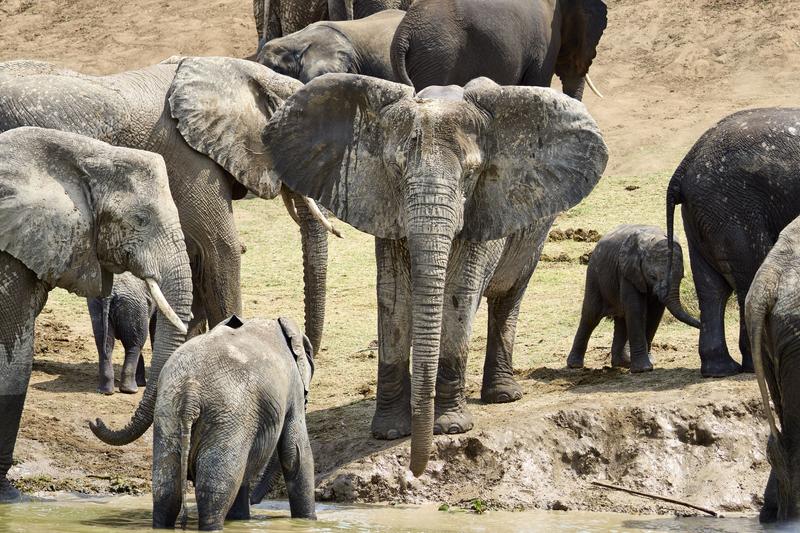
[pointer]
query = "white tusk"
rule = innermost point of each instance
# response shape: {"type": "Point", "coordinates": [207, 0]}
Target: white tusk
{"type": "Point", "coordinates": [164, 307]}
{"type": "Point", "coordinates": [312, 206]}
{"type": "Point", "coordinates": [592, 87]}
{"type": "Point", "coordinates": [287, 201]}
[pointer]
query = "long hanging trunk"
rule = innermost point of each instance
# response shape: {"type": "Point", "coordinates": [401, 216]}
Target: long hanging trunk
{"type": "Point", "coordinates": [430, 236]}
{"type": "Point", "coordinates": [674, 305]}
{"type": "Point", "coordinates": [176, 284]}
{"type": "Point", "coordinates": [315, 271]}
{"type": "Point", "coordinates": [573, 87]}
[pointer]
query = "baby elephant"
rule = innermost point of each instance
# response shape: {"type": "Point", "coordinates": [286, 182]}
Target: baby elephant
{"type": "Point", "coordinates": [627, 280]}
{"type": "Point", "coordinates": [227, 400]}
{"type": "Point", "coordinates": [126, 314]}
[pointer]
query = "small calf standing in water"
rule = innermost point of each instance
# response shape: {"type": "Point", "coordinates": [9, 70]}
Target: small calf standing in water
{"type": "Point", "coordinates": [628, 279]}
{"type": "Point", "coordinates": [228, 401]}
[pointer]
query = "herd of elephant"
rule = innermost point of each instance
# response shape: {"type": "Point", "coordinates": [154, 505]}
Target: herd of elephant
{"type": "Point", "coordinates": [119, 189]}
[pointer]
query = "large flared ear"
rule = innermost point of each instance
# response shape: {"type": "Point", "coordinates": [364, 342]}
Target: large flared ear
{"type": "Point", "coordinates": [631, 259]}
{"type": "Point", "coordinates": [222, 106]}
{"type": "Point", "coordinates": [583, 23]}
{"type": "Point", "coordinates": [46, 208]}
{"type": "Point", "coordinates": [328, 141]}
{"type": "Point", "coordinates": [542, 154]}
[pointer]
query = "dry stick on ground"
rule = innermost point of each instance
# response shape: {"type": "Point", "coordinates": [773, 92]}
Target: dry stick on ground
{"type": "Point", "coordinates": [657, 497]}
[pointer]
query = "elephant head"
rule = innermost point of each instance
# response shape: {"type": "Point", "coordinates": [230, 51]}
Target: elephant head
{"type": "Point", "coordinates": [582, 25]}
{"type": "Point", "coordinates": [644, 260]}
{"type": "Point", "coordinates": [479, 163]}
{"type": "Point", "coordinates": [75, 211]}
{"type": "Point", "coordinates": [304, 55]}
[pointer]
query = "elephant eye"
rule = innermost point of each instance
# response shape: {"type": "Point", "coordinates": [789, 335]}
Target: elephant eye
{"type": "Point", "coordinates": [141, 218]}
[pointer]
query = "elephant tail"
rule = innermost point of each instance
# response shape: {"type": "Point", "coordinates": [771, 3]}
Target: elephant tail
{"type": "Point", "coordinates": [674, 197]}
{"type": "Point", "coordinates": [400, 45]}
{"type": "Point", "coordinates": [189, 412]}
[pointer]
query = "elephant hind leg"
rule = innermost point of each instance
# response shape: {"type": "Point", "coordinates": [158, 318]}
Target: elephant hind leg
{"type": "Point", "coordinates": [297, 463]}
{"type": "Point", "coordinates": [166, 477]}
{"type": "Point", "coordinates": [499, 385]}
{"type": "Point", "coordinates": [130, 369]}
{"type": "Point", "coordinates": [620, 350]}
{"type": "Point", "coordinates": [219, 474]}
{"type": "Point", "coordinates": [713, 292]}
{"type": "Point", "coordinates": [591, 315]}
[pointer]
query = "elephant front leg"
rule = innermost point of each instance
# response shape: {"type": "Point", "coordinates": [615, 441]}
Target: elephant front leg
{"type": "Point", "coordinates": [635, 305]}
{"type": "Point", "coordinates": [392, 418]}
{"type": "Point", "coordinates": [22, 297]}
{"type": "Point", "coordinates": [620, 352]}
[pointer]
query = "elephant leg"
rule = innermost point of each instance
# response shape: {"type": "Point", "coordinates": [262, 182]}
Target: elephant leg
{"type": "Point", "coordinates": [499, 385]}
{"type": "Point", "coordinates": [769, 511]}
{"type": "Point", "coordinates": [297, 463]}
{"type": "Point", "coordinates": [128, 379]}
{"type": "Point", "coordinates": [218, 478]}
{"type": "Point", "coordinates": [104, 341]}
{"type": "Point", "coordinates": [591, 315]}
{"type": "Point", "coordinates": [635, 305]}
{"type": "Point", "coordinates": [240, 510]}
{"type": "Point", "coordinates": [141, 380]}
{"type": "Point", "coordinates": [22, 297]}
{"type": "Point", "coordinates": [166, 474]}
{"type": "Point", "coordinates": [392, 418]}
{"type": "Point", "coordinates": [744, 338]}
{"type": "Point", "coordinates": [655, 312]}
{"type": "Point", "coordinates": [620, 351]}
{"type": "Point", "coordinates": [712, 293]}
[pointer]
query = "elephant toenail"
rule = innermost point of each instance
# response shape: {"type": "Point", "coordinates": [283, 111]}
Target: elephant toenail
{"type": "Point", "coordinates": [392, 434]}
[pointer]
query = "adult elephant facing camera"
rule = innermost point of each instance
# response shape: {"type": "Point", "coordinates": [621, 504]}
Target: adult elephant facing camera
{"type": "Point", "coordinates": [459, 187]}
{"type": "Point", "coordinates": [513, 42]}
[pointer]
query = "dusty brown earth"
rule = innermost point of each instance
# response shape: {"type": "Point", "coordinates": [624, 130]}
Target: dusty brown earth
{"type": "Point", "coordinates": [669, 70]}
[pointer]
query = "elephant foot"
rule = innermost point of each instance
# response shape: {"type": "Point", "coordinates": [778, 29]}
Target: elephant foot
{"type": "Point", "coordinates": [574, 360]}
{"type": "Point", "coordinates": [719, 367]}
{"type": "Point", "coordinates": [452, 421]}
{"type": "Point", "coordinates": [108, 390]}
{"type": "Point", "coordinates": [501, 390]}
{"type": "Point", "coordinates": [129, 388]}
{"type": "Point", "coordinates": [640, 365]}
{"type": "Point", "coordinates": [8, 492]}
{"type": "Point", "coordinates": [621, 361]}
{"type": "Point", "coordinates": [391, 424]}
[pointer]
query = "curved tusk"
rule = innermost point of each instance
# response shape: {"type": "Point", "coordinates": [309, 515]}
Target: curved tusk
{"type": "Point", "coordinates": [164, 307]}
{"type": "Point", "coordinates": [590, 83]}
{"type": "Point", "coordinates": [287, 201]}
{"type": "Point", "coordinates": [314, 208]}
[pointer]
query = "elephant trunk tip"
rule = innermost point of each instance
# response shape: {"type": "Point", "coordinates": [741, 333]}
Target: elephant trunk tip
{"type": "Point", "coordinates": [109, 436]}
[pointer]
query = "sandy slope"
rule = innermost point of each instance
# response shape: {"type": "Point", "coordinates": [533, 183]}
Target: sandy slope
{"type": "Point", "coordinates": [669, 70]}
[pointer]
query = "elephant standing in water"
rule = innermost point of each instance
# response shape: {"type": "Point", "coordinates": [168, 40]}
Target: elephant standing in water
{"type": "Point", "coordinates": [513, 42]}
{"type": "Point", "coordinates": [353, 47]}
{"type": "Point", "coordinates": [228, 401]}
{"type": "Point", "coordinates": [738, 188]}
{"type": "Point", "coordinates": [276, 18]}
{"type": "Point", "coordinates": [629, 279]}
{"type": "Point", "coordinates": [73, 212]}
{"type": "Point", "coordinates": [772, 315]}
{"type": "Point", "coordinates": [459, 186]}
{"type": "Point", "coordinates": [205, 117]}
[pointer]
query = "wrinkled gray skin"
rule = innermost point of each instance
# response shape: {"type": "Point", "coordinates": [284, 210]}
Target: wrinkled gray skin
{"type": "Point", "coordinates": [74, 211]}
{"type": "Point", "coordinates": [513, 42]}
{"type": "Point", "coordinates": [128, 314]}
{"type": "Point", "coordinates": [276, 18]}
{"type": "Point", "coordinates": [772, 315]}
{"type": "Point", "coordinates": [459, 191]}
{"type": "Point", "coordinates": [205, 117]}
{"type": "Point", "coordinates": [627, 279]}
{"type": "Point", "coordinates": [355, 46]}
{"type": "Point", "coordinates": [227, 402]}
{"type": "Point", "coordinates": [738, 187]}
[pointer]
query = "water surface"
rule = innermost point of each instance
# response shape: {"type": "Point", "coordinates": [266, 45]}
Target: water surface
{"type": "Point", "coordinates": [73, 514]}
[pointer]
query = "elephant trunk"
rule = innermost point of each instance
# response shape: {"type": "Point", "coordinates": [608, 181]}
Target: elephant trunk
{"type": "Point", "coordinates": [430, 235]}
{"type": "Point", "coordinates": [574, 86]}
{"type": "Point", "coordinates": [314, 238]}
{"type": "Point", "coordinates": [176, 284]}
{"type": "Point", "coordinates": [674, 304]}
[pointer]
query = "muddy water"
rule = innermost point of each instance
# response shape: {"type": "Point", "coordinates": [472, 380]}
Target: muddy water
{"type": "Point", "coordinates": [71, 514]}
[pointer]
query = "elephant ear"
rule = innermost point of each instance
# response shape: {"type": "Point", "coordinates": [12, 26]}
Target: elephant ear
{"type": "Point", "coordinates": [301, 350]}
{"type": "Point", "coordinates": [631, 255]}
{"type": "Point", "coordinates": [583, 23]}
{"type": "Point", "coordinates": [328, 140]}
{"type": "Point", "coordinates": [542, 154]}
{"type": "Point", "coordinates": [222, 106]}
{"type": "Point", "coordinates": [46, 208]}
